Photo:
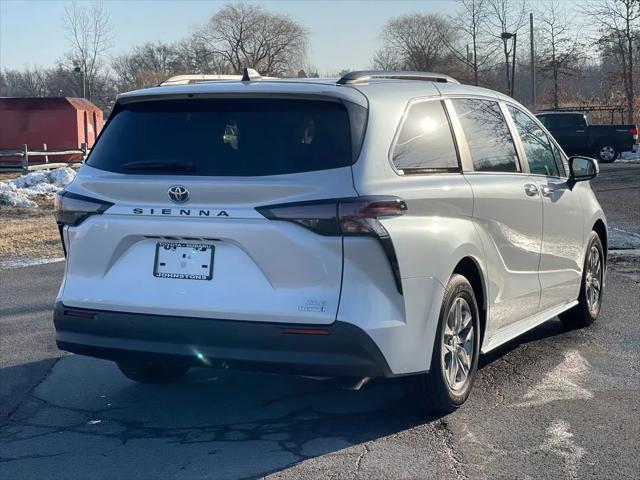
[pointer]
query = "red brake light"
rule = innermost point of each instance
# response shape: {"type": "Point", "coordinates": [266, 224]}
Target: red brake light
{"type": "Point", "coordinates": [345, 216]}
{"type": "Point", "coordinates": [634, 132]}
{"type": "Point", "coordinates": [360, 216]}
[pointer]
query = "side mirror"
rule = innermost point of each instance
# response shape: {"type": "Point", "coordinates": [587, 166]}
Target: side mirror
{"type": "Point", "coordinates": [582, 169]}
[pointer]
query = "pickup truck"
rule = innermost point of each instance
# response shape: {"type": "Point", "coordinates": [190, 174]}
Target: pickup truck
{"type": "Point", "coordinates": [577, 137]}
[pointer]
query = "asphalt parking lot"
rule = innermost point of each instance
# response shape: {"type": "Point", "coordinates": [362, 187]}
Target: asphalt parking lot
{"type": "Point", "coordinates": [553, 404]}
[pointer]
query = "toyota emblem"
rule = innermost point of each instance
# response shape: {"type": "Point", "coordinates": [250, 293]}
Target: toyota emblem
{"type": "Point", "coordinates": [179, 193]}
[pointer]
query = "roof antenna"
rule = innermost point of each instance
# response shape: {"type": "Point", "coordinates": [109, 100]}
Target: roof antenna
{"type": "Point", "coordinates": [250, 75]}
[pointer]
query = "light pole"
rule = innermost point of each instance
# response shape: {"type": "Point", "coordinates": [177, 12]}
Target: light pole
{"type": "Point", "coordinates": [506, 36]}
{"type": "Point", "coordinates": [79, 70]}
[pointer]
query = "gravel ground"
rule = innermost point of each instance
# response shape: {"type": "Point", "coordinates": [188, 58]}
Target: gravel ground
{"type": "Point", "coordinates": [29, 233]}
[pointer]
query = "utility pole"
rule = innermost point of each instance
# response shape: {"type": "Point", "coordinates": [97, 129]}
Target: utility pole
{"type": "Point", "coordinates": [513, 66]}
{"type": "Point", "coordinates": [534, 100]}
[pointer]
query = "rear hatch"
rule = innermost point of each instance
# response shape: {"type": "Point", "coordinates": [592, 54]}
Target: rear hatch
{"type": "Point", "coordinates": [179, 233]}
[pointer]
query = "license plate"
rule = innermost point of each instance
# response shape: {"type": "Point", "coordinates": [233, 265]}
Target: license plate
{"type": "Point", "coordinates": [184, 261]}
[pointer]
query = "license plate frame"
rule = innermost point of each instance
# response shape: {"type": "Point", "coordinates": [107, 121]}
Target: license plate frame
{"type": "Point", "coordinates": [203, 249]}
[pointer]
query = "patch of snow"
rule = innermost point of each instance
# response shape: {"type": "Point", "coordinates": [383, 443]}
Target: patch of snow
{"type": "Point", "coordinates": [561, 383]}
{"type": "Point", "coordinates": [623, 239]}
{"type": "Point", "coordinates": [631, 252]}
{"type": "Point", "coordinates": [560, 442]}
{"type": "Point", "coordinates": [18, 192]}
{"type": "Point", "coordinates": [629, 157]}
{"type": "Point", "coordinates": [9, 264]}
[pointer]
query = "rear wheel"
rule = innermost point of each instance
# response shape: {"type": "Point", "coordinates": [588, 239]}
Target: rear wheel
{"type": "Point", "coordinates": [455, 354]}
{"type": "Point", "coordinates": [590, 298]}
{"type": "Point", "coordinates": [152, 372]}
{"type": "Point", "coordinates": [607, 152]}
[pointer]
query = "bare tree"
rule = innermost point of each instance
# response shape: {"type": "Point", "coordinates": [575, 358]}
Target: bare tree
{"type": "Point", "coordinates": [414, 42]}
{"type": "Point", "coordinates": [89, 35]}
{"type": "Point", "coordinates": [561, 51]}
{"type": "Point", "coordinates": [386, 59]}
{"type": "Point", "coordinates": [194, 56]}
{"type": "Point", "coordinates": [506, 16]}
{"type": "Point", "coordinates": [146, 65]}
{"type": "Point", "coordinates": [470, 45]}
{"type": "Point", "coordinates": [246, 35]}
{"type": "Point", "coordinates": [618, 24]}
{"type": "Point", "coordinates": [30, 82]}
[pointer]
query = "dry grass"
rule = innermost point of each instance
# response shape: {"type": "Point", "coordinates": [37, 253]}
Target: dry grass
{"type": "Point", "coordinates": [29, 233]}
{"type": "Point", "coordinates": [4, 176]}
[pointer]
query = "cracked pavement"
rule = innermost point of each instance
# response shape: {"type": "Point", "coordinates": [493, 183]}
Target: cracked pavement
{"type": "Point", "coordinates": [554, 404]}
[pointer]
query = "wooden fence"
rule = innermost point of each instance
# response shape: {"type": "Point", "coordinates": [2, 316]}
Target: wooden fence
{"type": "Point", "coordinates": [24, 153]}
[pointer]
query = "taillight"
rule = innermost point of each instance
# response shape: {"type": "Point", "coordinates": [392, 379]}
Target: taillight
{"type": "Point", "coordinates": [72, 209]}
{"type": "Point", "coordinates": [634, 132]}
{"type": "Point", "coordinates": [345, 216]}
{"type": "Point", "coordinates": [342, 216]}
{"type": "Point", "coordinates": [359, 216]}
{"type": "Point", "coordinates": [321, 217]}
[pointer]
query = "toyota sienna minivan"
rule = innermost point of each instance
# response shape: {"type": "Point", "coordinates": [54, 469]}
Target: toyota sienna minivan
{"type": "Point", "coordinates": [385, 224]}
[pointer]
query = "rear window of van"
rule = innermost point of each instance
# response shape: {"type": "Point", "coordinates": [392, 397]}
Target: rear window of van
{"type": "Point", "coordinates": [230, 137]}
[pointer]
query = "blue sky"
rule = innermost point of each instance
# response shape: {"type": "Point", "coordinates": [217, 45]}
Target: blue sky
{"type": "Point", "coordinates": [344, 34]}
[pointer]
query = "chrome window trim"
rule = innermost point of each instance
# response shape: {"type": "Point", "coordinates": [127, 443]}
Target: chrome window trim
{"type": "Point", "coordinates": [563, 160]}
{"type": "Point", "coordinates": [414, 101]}
{"type": "Point", "coordinates": [468, 166]}
{"type": "Point", "coordinates": [523, 163]}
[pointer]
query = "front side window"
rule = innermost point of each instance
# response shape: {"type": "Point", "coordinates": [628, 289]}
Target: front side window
{"type": "Point", "coordinates": [425, 141]}
{"type": "Point", "coordinates": [537, 145]}
{"type": "Point", "coordinates": [488, 137]}
{"type": "Point", "coordinates": [561, 160]}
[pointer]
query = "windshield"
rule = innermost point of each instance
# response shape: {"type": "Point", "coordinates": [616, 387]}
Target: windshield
{"type": "Point", "coordinates": [230, 137]}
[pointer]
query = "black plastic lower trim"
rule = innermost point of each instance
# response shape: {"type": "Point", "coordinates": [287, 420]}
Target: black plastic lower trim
{"type": "Point", "coordinates": [343, 350]}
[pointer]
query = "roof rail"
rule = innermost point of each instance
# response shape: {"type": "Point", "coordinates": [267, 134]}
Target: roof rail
{"type": "Point", "coordinates": [363, 76]}
{"type": "Point", "coordinates": [248, 75]}
{"type": "Point", "coordinates": [187, 79]}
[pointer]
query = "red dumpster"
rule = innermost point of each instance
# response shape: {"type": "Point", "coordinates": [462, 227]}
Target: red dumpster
{"type": "Point", "coordinates": [60, 123]}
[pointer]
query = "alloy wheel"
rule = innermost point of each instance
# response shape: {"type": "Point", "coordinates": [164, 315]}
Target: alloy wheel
{"type": "Point", "coordinates": [593, 280]}
{"type": "Point", "coordinates": [607, 153]}
{"type": "Point", "coordinates": [457, 344]}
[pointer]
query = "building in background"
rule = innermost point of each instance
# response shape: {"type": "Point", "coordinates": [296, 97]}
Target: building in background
{"type": "Point", "coordinates": [60, 123]}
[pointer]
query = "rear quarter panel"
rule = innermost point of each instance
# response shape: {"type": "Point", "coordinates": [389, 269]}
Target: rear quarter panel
{"type": "Point", "coordinates": [436, 232]}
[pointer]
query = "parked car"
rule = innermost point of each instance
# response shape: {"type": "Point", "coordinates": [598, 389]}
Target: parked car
{"type": "Point", "coordinates": [576, 135]}
{"type": "Point", "coordinates": [382, 225]}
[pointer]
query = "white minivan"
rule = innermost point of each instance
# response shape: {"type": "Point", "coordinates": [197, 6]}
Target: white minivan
{"type": "Point", "coordinates": [385, 224]}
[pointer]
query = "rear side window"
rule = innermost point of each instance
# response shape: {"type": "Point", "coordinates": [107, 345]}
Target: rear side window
{"type": "Point", "coordinates": [536, 143]}
{"type": "Point", "coordinates": [565, 121]}
{"type": "Point", "coordinates": [490, 142]}
{"type": "Point", "coordinates": [425, 141]}
{"type": "Point", "coordinates": [230, 137]}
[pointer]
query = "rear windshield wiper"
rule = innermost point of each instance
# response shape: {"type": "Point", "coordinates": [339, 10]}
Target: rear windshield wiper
{"type": "Point", "coordinates": [158, 165]}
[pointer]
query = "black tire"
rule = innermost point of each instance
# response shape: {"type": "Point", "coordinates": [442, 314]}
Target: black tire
{"type": "Point", "coordinates": [582, 315]}
{"type": "Point", "coordinates": [151, 372]}
{"type": "Point", "coordinates": [608, 147]}
{"type": "Point", "coordinates": [437, 395]}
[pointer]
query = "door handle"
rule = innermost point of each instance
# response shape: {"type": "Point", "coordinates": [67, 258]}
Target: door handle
{"type": "Point", "coordinates": [531, 190]}
{"type": "Point", "coordinates": [579, 131]}
{"type": "Point", "coordinates": [546, 190]}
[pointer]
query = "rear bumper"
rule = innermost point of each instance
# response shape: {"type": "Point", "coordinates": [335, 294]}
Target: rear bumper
{"type": "Point", "coordinates": [339, 349]}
